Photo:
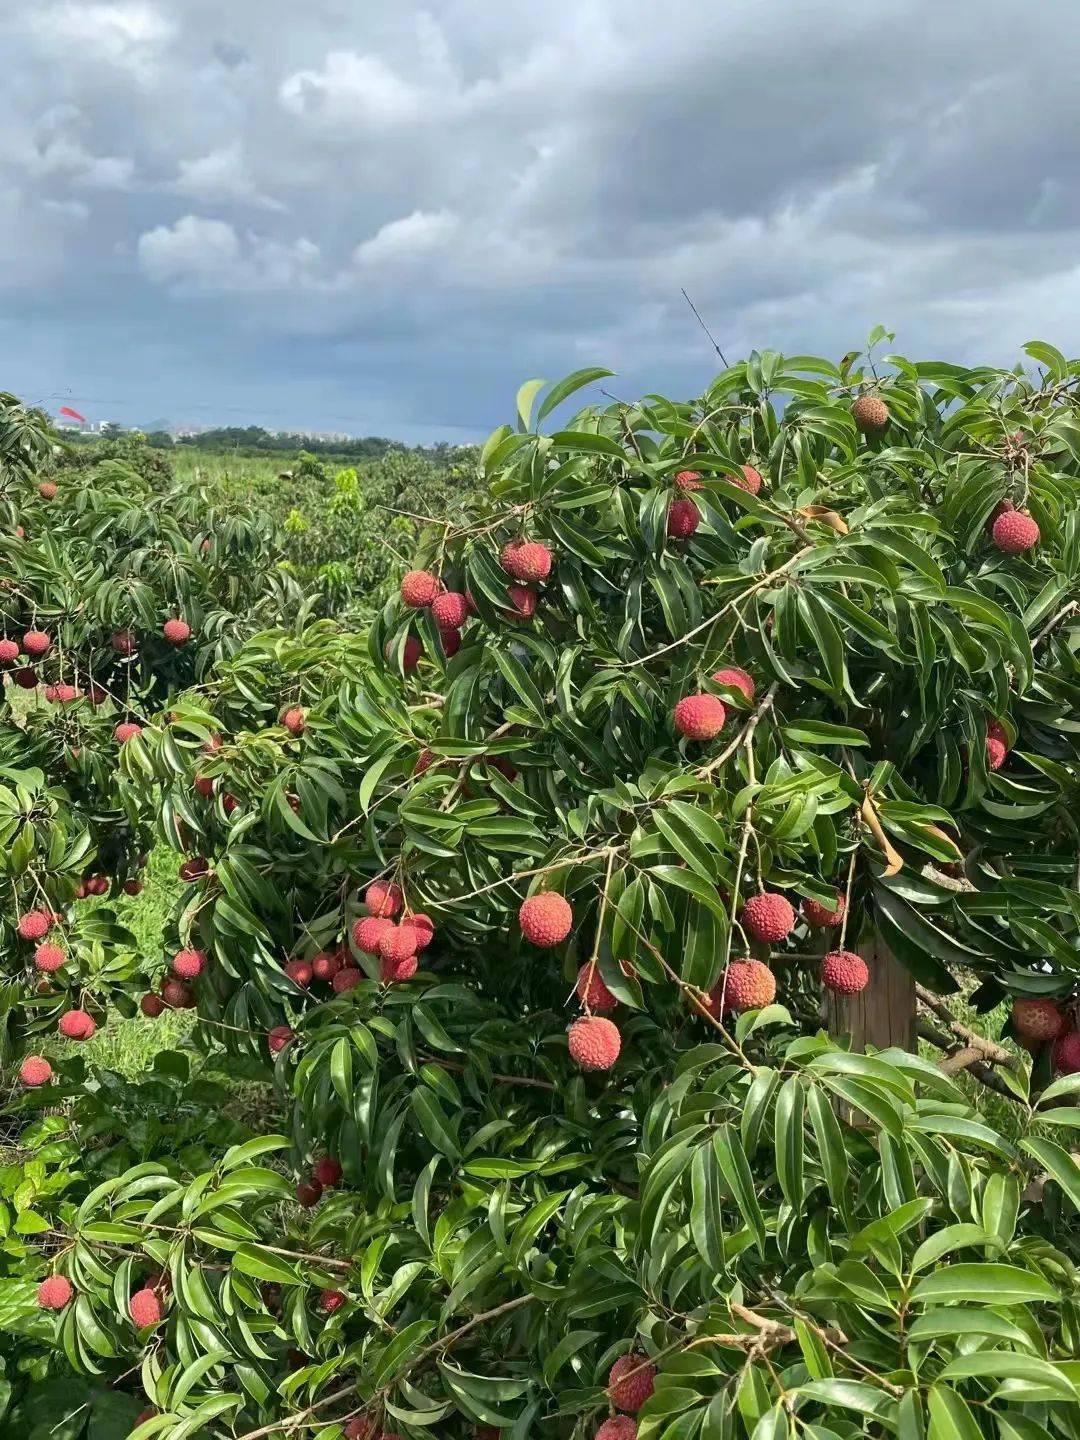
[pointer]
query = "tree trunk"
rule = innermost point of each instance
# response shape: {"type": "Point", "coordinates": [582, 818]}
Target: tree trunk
{"type": "Point", "coordinates": [884, 1013]}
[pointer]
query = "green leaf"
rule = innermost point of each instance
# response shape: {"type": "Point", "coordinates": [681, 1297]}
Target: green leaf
{"type": "Point", "coordinates": [986, 1284]}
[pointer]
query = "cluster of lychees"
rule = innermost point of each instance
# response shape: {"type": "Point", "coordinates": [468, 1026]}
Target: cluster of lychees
{"type": "Point", "coordinates": [1038, 1022]}
{"type": "Point", "coordinates": [683, 515]}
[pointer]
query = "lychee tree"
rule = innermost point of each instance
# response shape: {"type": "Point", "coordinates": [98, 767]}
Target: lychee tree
{"type": "Point", "coordinates": [530, 896]}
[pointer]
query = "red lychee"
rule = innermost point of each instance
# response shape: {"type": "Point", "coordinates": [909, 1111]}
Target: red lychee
{"type": "Point", "coordinates": [230, 804]}
{"type": "Point", "coordinates": [526, 560]}
{"type": "Point", "coordinates": [278, 1038]}
{"type": "Point", "coordinates": [151, 1006]}
{"type": "Point", "coordinates": [123, 642]}
{"type": "Point", "coordinates": [683, 518]}
{"type": "Point", "coordinates": [425, 930]}
{"type": "Point", "coordinates": [294, 720]}
{"type": "Point", "coordinates": [77, 1025]}
{"type": "Point", "coordinates": [450, 640]}
{"type": "Point", "coordinates": [1003, 507]}
{"type": "Point", "coordinates": [325, 965]}
{"type": "Point", "coordinates": [1037, 1019]}
{"type": "Point", "coordinates": [176, 631]}
{"type": "Point", "coordinates": [366, 933]}
{"type": "Point", "coordinates": [689, 480]}
{"type": "Point", "coordinates": [591, 990]}
{"type": "Point", "coordinates": [47, 490]}
{"type": "Point", "coordinates": [594, 1042]}
{"type": "Point", "coordinates": [419, 588]}
{"type": "Point", "coordinates": [188, 964]}
{"type": "Point", "coordinates": [410, 655]}
{"type": "Point", "coordinates": [125, 731]}
{"type": "Point", "coordinates": [522, 601]}
{"type": "Point", "coordinates": [384, 899]}
{"type": "Point", "coordinates": [194, 869]}
{"type": "Point", "coordinates": [35, 643]}
{"type": "Point", "coordinates": [330, 1301]}
{"type": "Point", "coordinates": [700, 717]}
{"type": "Point", "coordinates": [347, 978]}
{"type": "Point", "coordinates": [997, 744]}
{"type": "Point", "coordinates": [394, 972]}
{"type": "Point", "coordinates": [871, 415]}
{"type": "Point", "coordinates": [362, 1427]}
{"type": "Point", "coordinates": [1015, 532]}
{"type": "Point", "coordinates": [300, 973]}
{"type": "Point", "coordinates": [327, 1172]}
{"type": "Point", "coordinates": [55, 1292]}
{"type": "Point", "coordinates": [749, 480]}
{"type": "Point", "coordinates": [178, 995]}
{"type": "Point", "coordinates": [749, 985]}
{"type": "Point", "coordinates": [35, 1070]}
{"type": "Point", "coordinates": [821, 917]}
{"type": "Point", "coordinates": [1066, 1054]}
{"type": "Point", "coordinates": [26, 678]}
{"type": "Point", "coordinates": [133, 887]}
{"type": "Point", "coordinates": [424, 761]}
{"type": "Point", "coordinates": [630, 1382]}
{"type": "Point", "coordinates": [308, 1193]}
{"type": "Point", "coordinates": [9, 652]}
{"type": "Point", "coordinates": [619, 1427]}
{"type": "Point", "coordinates": [145, 1308]}
{"type": "Point", "coordinates": [768, 917]}
{"type": "Point", "coordinates": [49, 957]}
{"type": "Point", "coordinates": [844, 972]}
{"type": "Point", "coordinates": [35, 925]}
{"type": "Point", "coordinates": [450, 610]}
{"type": "Point", "coordinates": [545, 919]}
{"type": "Point", "coordinates": [204, 784]}
{"type": "Point", "coordinates": [397, 942]}
{"type": "Point", "coordinates": [97, 885]}
{"type": "Point", "coordinates": [737, 678]}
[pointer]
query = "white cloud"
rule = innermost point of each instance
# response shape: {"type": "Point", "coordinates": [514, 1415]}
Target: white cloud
{"type": "Point", "coordinates": [128, 34]}
{"type": "Point", "coordinates": [195, 251]}
{"type": "Point", "coordinates": [220, 177]}
{"type": "Point", "coordinates": [353, 89]}
{"type": "Point", "coordinates": [414, 236]}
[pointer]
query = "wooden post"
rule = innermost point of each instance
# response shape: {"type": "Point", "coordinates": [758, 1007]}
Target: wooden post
{"type": "Point", "coordinates": [884, 1013]}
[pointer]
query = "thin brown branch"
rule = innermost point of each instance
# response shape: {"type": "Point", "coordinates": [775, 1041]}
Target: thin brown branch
{"type": "Point", "coordinates": [988, 1049]}
{"type": "Point", "coordinates": [973, 1066]}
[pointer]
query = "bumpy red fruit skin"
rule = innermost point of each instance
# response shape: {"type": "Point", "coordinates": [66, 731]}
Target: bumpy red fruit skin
{"type": "Point", "coordinates": [748, 985]}
{"type": "Point", "coordinates": [749, 480]}
{"type": "Point", "coordinates": [546, 919]}
{"type": "Point", "coordinates": [384, 899]}
{"type": "Point", "coordinates": [700, 717]}
{"type": "Point", "coordinates": [9, 652]}
{"type": "Point", "coordinates": [689, 480]}
{"type": "Point", "coordinates": [308, 1193]}
{"type": "Point", "coordinates": [397, 943]}
{"type": "Point", "coordinates": [361, 1427]}
{"type": "Point", "coordinates": [997, 744]}
{"type": "Point", "coordinates": [36, 643]}
{"type": "Point", "coordinates": [1015, 532]}
{"type": "Point", "coordinates": [425, 930]}
{"type": "Point", "coordinates": [768, 917]}
{"type": "Point", "coordinates": [47, 490]}
{"type": "Point", "coordinates": [325, 965]}
{"type": "Point", "coordinates": [34, 925]}
{"type": "Point", "coordinates": [683, 518]}
{"type": "Point", "coordinates": [77, 1025]}
{"type": "Point", "coordinates": [327, 1172]}
{"type": "Point", "coordinates": [331, 1301]}
{"type": "Point", "coordinates": [278, 1038]}
{"type": "Point", "coordinates": [294, 720]}
{"type": "Point", "coordinates": [49, 958]}
{"type": "Point", "coordinates": [619, 1427]}
{"type": "Point", "coordinates": [526, 560]}
{"type": "Point", "coordinates": [419, 588]}
{"type": "Point", "coordinates": [591, 990]}
{"type": "Point", "coordinates": [346, 979]}
{"type": "Point", "coordinates": [820, 917]}
{"type": "Point", "coordinates": [55, 1292]}
{"type": "Point", "coordinates": [176, 632]}
{"type": "Point", "coordinates": [450, 610]}
{"type": "Point", "coordinates": [300, 973]}
{"type": "Point", "coordinates": [424, 761]}
{"type": "Point", "coordinates": [145, 1308]}
{"type": "Point", "coordinates": [178, 995]}
{"type": "Point", "coordinates": [629, 1391]}
{"type": "Point", "coordinates": [188, 964]}
{"type": "Point", "coordinates": [844, 972]}
{"type": "Point", "coordinates": [737, 678]}
{"type": "Point", "coordinates": [522, 601]}
{"type": "Point", "coordinates": [1037, 1019]}
{"type": "Point", "coordinates": [594, 1042]}
{"type": "Point", "coordinates": [871, 415]}
{"type": "Point", "coordinates": [1066, 1056]}
{"type": "Point", "coordinates": [366, 933]}
{"type": "Point", "coordinates": [151, 1006]}
{"type": "Point", "coordinates": [35, 1070]}
{"type": "Point", "coordinates": [394, 972]}
{"type": "Point", "coordinates": [125, 731]}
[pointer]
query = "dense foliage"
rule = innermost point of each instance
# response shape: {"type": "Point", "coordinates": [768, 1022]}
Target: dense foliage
{"type": "Point", "coordinates": [466, 1220]}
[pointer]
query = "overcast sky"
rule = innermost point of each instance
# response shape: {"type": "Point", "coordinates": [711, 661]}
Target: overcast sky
{"type": "Point", "coordinates": [381, 218]}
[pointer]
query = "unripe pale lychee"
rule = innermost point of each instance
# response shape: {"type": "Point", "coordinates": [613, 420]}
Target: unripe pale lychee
{"type": "Point", "coordinates": [689, 480]}
{"type": "Point", "coordinates": [394, 972]}
{"type": "Point", "coordinates": [748, 985]}
{"type": "Point", "coordinates": [145, 1308]}
{"type": "Point", "coordinates": [366, 933]}
{"type": "Point", "coordinates": [294, 720]}
{"type": "Point", "coordinates": [327, 1172]}
{"type": "Point", "coordinates": [35, 1070]}
{"type": "Point", "coordinates": [450, 610]}
{"type": "Point", "coordinates": [77, 1025]}
{"type": "Point", "coordinates": [125, 731]}
{"type": "Point", "coordinates": [594, 1042]}
{"type": "Point", "coordinates": [700, 717]}
{"type": "Point", "coordinates": [397, 942]}
{"type": "Point", "coordinates": [300, 973]}
{"type": "Point", "coordinates": [619, 1427]}
{"type": "Point", "coordinates": [871, 415]}
{"type": "Point", "coordinates": [9, 652]}
{"type": "Point", "coordinates": [683, 518]}
{"type": "Point", "coordinates": [330, 1301]}
{"type": "Point", "coordinates": [347, 978]}
{"type": "Point", "coordinates": [151, 1006]}
{"type": "Point", "coordinates": [308, 1193]}
{"type": "Point", "coordinates": [821, 917]}
{"type": "Point", "coordinates": [419, 588]}
{"type": "Point", "coordinates": [749, 480]}
{"type": "Point", "coordinates": [844, 972]}
{"type": "Point", "coordinates": [591, 990]}
{"type": "Point", "coordinates": [35, 925]}
{"type": "Point", "coordinates": [630, 1382]}
{"type": "Point", "coordinates": [49, 957]}
{"type": "Point", "coordinates": [768, 917]}
{"type": "Point", "coordinates": [522, 601]}
{"type": "Point", "coordinates": [176, 632]}
{"type": "Point", "coordinates": [737, 678]}
{"type": "Point", "coordinates": [1014, 532]}
{"type": "Point", "coordinates": [384, 899]}
{"type": "Point", "coordinates": [1066, 1055]}
{"type": "Point", "coordinates": [1037, 1019]}
{"type": "Point", "coordinates": [997, 744]}
{"type": "Point", "coordinates": [36, 643]}
{"type": "Point", "coordinates": [545, 919]}
{"type": "Point", "coordinates": [278, 1038]}
{"type": "Point", "coordinates": [526, 560]}
{"type": "Point", "coordinates": [55, 1292]}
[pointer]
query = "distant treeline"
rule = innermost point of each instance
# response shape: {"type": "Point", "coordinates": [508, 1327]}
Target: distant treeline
{"type": "Point", "coordinates": [255, 439]}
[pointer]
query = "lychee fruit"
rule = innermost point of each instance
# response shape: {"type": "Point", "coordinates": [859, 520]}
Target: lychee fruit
{"type": "Point", "coordinates": [619, 1427]}
{"type": "Point", "coordinates": [425, 930]}
{"type": "Point", "coordinates": [700, 717]}
{"type": "Point", "coordinates": [768, 917]}
{"type": "Point", "coordinates": [450, 640]}
{"type": "Point", "coordinates": [419, 588]}
{"type": "Point", "coordinates": [278, 1038]}
{"type": "Point", "coordinates": [35, 643]}
{"type": "Point", "coordinates": [871, 415]}
{"type": "Point", "coordinates": [77, 1025]}
{"type": "Point", "coordinates": [204, 784]}
{"type": "Point", "coordinates": [821, 917]}
{"type": "Point", "coordinates": [689, 480]}
{"type": "Point", "coordinates": [1037, 1019]}
{"type": "Point", "coordinates": [327, 1172]}
{"type": "Point", "coordinates": [330, 1301]}
{"type": "Point", "coordinates": [594, 1042]}
{"type": "Point", "coordinates": [737, 678]}
{"type": "Point", "coordinates": [545, 919]}
{"type": "Point", "coordinates": [325, 965]}
{"type": "Point", "coordinates": [997, 744]}
{"type": "Point", "coordinates": [749, 480]}
{"type": "Point", "coordinates": [176, 631]}
{"type": "Point", "coordinates": [35, 924]}
{"type": "Point", "coordinates": [125, 731]}
{"type": "Point", "coordinates": [630, 1382]}
{"type": "Point", "coordinates": [123, 642]}
{"type": "Point", "coordinates": [450, 610]}
{"type": "Point", "coordinates": [1014, 532]}
{"type": "Point", "coordinates": [1003, 507]}
{"type": "Point", "coordinates": [294, 720]}
{"type": "Point", "coordinates": [683, 518]}
{"type": "Point", "coordinates": [35, 1070]}
{"type": "Point", "coordinates": [361, 1427]}
{"type": "Point", "coordinates": [132, 887]}
{"type": "Point", "coordinates": [397, 942]}
{"type": "Point", "coordinates": [410, 655]}
{"type": "Point", "coordinates": [424, 761]}
{"type": "Point", "coordinates": [55, 1292]}
{"type": "Point", "coordinates": [26, 678]}
{"type": "Point", "coordinates": [308, 1193]}
{"type": "Point", "coordinates": [366, 933]}
{"type": "Point", "coordinates": [47, 490]}
{"type": "Point", "coordinates": [194, 869]}
{"type": "Point", "coordinates": [395, 972]}
{"type": "Point", "coordinates": [188, 964]}
{"type": "Point", "coordinates": [1066, 1053]}
{"type": "Point", "coordinates": [522, 601]}
{"type": "Point", "coordinates": [844, 972]}
{"type": "Point", "coordinates": [526, 560]}
{"type": "Point", "coordinates": [300, 973]}
{"type": "Point", "coordinates": [145, 1308]}
{"type": "Point", "coordinates": [49, 958]}
{"type": "Point", "coordinates": [151, 1006]}
{"type": "Point", "coordinates": [384, 899]}
{"type": "Point", "coordinates": [748, 985]}
{"type": "Point", "coordinates": [591, 990]}
{"type": "Point", "coordinates": [177, 994]}
{"type": "Point", "coordinates": [9, 652]}
{"type": "Point", "coordinates": [98, 885]}
{"type": "Point", "coordinates": [230, 804]}
{"type": "Point", "coordinates": [346, 979]}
